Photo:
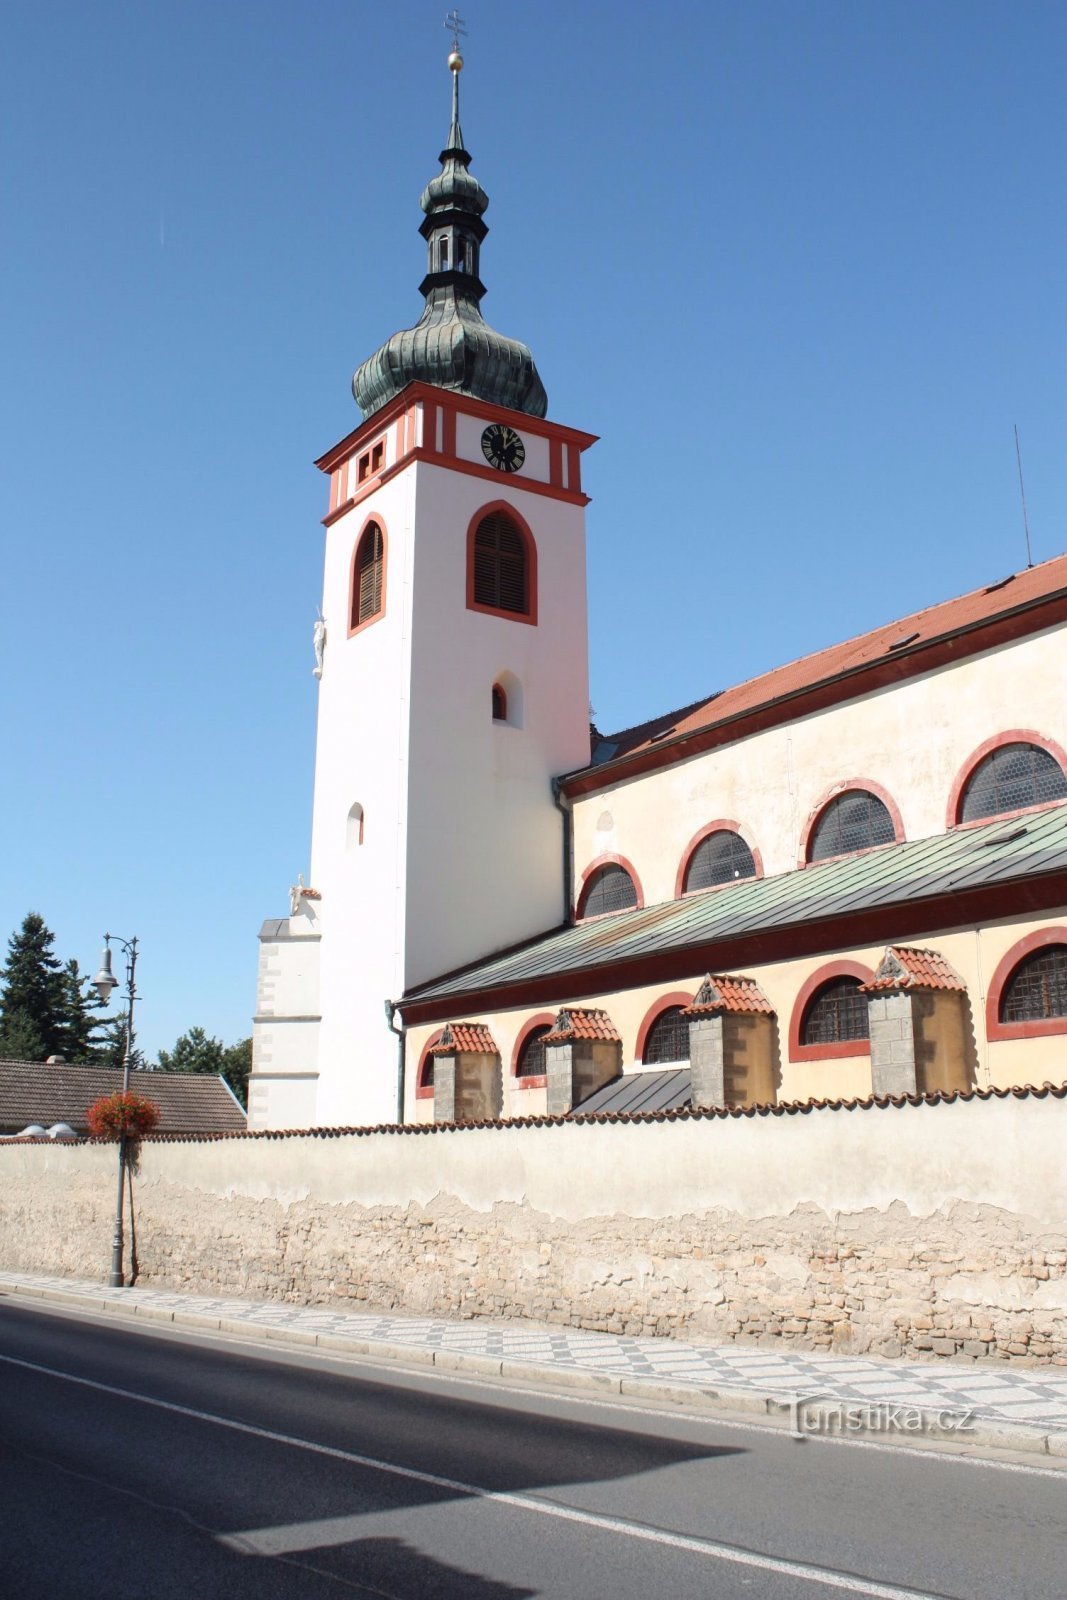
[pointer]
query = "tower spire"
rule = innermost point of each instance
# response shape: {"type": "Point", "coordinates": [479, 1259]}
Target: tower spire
{"type": "Point", "coordinates": [452, 346]}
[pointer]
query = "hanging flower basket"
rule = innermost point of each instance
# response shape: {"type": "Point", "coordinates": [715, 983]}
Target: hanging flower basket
{"type": "Point", "coordinates": [116, 1114]}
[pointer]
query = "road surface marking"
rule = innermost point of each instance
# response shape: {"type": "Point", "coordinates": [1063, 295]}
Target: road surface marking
{"type": "Point", "coordinates": [257, 1541]}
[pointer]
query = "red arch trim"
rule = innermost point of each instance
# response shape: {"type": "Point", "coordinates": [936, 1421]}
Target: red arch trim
{"type": "Point", "coordinates": [844, 1047]}
{"type": "Point", "coordinates": [664, 1002]}
{"type": "Point", "coordinates": [424, 1090]}
{"type": "Point", "coordinates": [1039, 1028]}
{"type": "Point", "coordinates": [723, 825]}
{"type": "Point", "coordinates": [842, 788]}
{"type": "Point", "coordinates": [530, 614]}
{"type": "Point", "coordinates": [997, 742]}
{"type": "Point", "coordinates": [594, 867]}
{"type": "Point", "coordinates": [537, 1021]}
{"type": "Point", "coordinates": [352, 580]}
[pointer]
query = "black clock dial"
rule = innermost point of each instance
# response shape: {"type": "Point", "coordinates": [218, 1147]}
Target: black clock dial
{"type": "Point", "coordinates": [503, 448]}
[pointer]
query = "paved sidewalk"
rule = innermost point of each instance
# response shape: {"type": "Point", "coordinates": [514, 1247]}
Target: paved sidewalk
{"type": "Point", "coordinates": [1016, 1408]}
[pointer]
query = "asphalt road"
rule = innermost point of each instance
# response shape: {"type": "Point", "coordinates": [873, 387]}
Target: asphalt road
{"type": "Point", "coordinates": [145, 1466]}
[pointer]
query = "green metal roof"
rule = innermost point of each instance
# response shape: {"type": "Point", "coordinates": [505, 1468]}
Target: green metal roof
{"type": "Point", "coordinates": [997, 853]}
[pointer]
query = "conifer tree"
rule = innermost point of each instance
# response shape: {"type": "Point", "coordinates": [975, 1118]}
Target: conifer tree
{"type": "Point", "coordinates": [33, 995]}
{"type": "Point", "coordinates": [83, 1021]}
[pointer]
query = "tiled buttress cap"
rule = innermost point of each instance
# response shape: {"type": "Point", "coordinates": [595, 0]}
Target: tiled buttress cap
{"type": "Point", "coordinates": [903, 967]}
{"type": "Point", "coordinates": [572, 1023]}
{"type": "Point", "coordinates": [473, 1036]}
{"type": "Point", "coordinates": [725, 991]}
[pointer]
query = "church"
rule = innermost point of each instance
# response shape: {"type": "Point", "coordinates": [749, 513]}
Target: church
{"type": "Point", "coordinates": [842, 879]}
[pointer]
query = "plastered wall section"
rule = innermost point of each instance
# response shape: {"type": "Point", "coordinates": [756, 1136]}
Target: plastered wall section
{"type": "Point", "coordinates": [927, 1230]}
{"type": "Point", "coordinates": [974, 953]}
{"type": "Point", "coordinates": [912, 739]}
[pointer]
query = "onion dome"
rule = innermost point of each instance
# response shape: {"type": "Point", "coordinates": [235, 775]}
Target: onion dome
{"type": "Point", "coordinates": [452, 346]}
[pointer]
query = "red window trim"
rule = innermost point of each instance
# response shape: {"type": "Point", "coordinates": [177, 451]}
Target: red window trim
{"type": "Point", "coordinates": [538, 1080]}
{"type": "Point", "coordinates": [871, 787]}
{"type": "Point", "coordinates": [530, 614]}
{"type": "Point", "coordinates": [664, 1002]}
{"type": "Point", "coordinates": [844, 1047]}
{"type": "Point", "coordinates": [723, 825]}
{"type": "Point", "coordinates": [595, 866]}
{"type": "Point", "coordinates": [1037, 1028]}
{"type": "Point", "coordinates": [352, 580]}
{"type": "Point", "coordinates": [996, 742]}
{"type": "Point", "coordinates": [424, 1091]}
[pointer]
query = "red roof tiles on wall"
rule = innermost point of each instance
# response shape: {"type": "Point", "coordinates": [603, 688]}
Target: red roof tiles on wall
{"type": "Point", "coordinates": [465, 1036]}
{"type": "Point", "coordinates": [725, 991]}
{"type": "Point", "coordinates": [904, 967]}
{"type": "Point", "coordinates": [572, 1023]}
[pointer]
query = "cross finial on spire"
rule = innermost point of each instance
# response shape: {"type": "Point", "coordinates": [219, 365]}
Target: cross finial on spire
{"type": "Point", "coordinates": [454, 23]}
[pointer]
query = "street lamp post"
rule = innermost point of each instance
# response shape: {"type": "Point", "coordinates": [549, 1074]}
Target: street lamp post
{"type": "Point", "coordinates": [104, 982]}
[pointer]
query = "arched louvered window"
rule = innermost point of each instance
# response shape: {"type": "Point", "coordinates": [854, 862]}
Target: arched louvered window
{"type": "Point", "coordinates": [501, 575]}
{"type": "Point", "coordinates": [836, 1012]}
{"type": "Point", "coordinates": [668, 1038]}
{"type": "Point", "coordinates": [1037, 989]}
{"type": "Point", "coordinates": [531, 1062]}
{"type": "Point", "coordinates": [723, 857]}
{"type": "Point", "coordinates": [368, 575]}
{"type": "Point", "coordinates": [610, 888]}
{"type": "Point", "coordinates": [855, 820]}
{"type": "Point", "coordinates": [1010, 779]}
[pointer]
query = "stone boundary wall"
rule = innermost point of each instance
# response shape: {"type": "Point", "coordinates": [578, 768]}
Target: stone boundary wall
{"type": "Point", "coordinates": [924, 1230]}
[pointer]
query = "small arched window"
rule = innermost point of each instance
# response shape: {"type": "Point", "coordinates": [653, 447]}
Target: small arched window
{"type": "Point", "coordinates": [500, 703]}
{"type": "Point", "coordinates": [354, 829]}
{"type": "Point", "coordinates": [531, 1062]}
{"type": "Point", "coordinates": [1010, 779]}
{"type": "Point", "coordinates": [668, 1038]}
{"type": "Point", "coordinates": [501, 569]}
{"type": "Point", "coordinates": [855, 820]}
{"type": "Point", "coordinates": [368, 575]}
{"type": "Point", "coordinates": [836, 1012]}
{"type": "Point", "coordinates": [1037, 989]}
{"type": "Point", "coordinates": [722, 857]}
{"type": "Point", "coordinates": [610, 888]}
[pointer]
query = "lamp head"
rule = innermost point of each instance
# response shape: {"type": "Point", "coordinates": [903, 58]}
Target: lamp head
{"type": "Point", "coordinates": [105, 979]}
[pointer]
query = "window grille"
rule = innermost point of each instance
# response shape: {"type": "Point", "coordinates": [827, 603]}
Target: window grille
{"type": "Point", "coordinates": [855, 820]}
{"type": "Point", "coordinates": [610, 889]}
{"type": "Point", "coordinates": [532, 1056]}
{"type": "Point", "coordinates": [1011, 778]}
{"type": "Point", "coordinates": [668, 1038]}
{"type": "Point", "coordinates": [500, 565]}
{"type": "Point", "coordinates": [370, 573]}
{"type": "Point", "coordinates": [1037, 989]}
{"type": "Point", "coordinates": [720, 858]}
{"type": "Point", "coordinates": [837, 1012]}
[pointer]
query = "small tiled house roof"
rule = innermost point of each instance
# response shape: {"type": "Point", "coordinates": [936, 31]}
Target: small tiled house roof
{"type": "Point", "coordinates": [573, 1023]}
{"type": "Point", "coordinates": [45, 1093]}
{"type": "Point", "coordinates": [903, 967]}
{"type": "Point", "coordinates": [471, 1037]}
{"type": "Point", "coordinates": [725, 991]}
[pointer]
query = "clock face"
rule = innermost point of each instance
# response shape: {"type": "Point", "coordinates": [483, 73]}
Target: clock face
{"type": "Point", "coordinates": [503, 448]}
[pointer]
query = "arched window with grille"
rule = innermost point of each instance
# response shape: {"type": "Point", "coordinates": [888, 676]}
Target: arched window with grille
{"type": "Point", "coordinates": [608, 888]}
{"type": "Point", "coordinates": [1037, 989]}
{"type": "Point", "coordinates": [667, 1040]}
{"type": "Point", "coordinates": [721, 856]}
{"type": "Point", "coordinates": [854, 820]}
{"type": "Point", "coordinates": [836, 1014]}
{"type": "Point", "coordinates": [368, 577]}
{"type": "Point", "coordinates": [502, 565]}
{"type": "Point", "coordinates": [1012, 777]}
{"type": "Point", "coordinates": [531, 1058]}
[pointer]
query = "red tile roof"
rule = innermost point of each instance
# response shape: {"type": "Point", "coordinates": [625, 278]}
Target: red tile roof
{"type": "Point", "coordinates": [572, 1023]}
{"type": "Point", "coordinates": [189, 1102]}
{"type": "Point", "coordinates": [725, 991]}
{"type": "Point", "coordinates": [903, 967]}
{"type": "Point", "coordinates": [474, 1036]}
{"type": "Point", "coordinates": [890, 644]}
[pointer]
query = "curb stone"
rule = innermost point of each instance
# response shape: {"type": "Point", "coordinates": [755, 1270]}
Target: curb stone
{"type": "Point", "coordinates": [1024, 1438]}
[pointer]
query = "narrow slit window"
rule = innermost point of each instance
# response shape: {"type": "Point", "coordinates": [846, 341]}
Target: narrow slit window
{"type": "Point", "coordinates": [500, 704]}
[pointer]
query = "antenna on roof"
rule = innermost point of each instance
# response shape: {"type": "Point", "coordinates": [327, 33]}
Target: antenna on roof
{"type": "Point", "coordinates": [1022, 494]}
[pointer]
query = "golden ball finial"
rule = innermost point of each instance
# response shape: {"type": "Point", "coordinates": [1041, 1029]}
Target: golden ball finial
{"type": "Point", "coordinates": [455, 61]}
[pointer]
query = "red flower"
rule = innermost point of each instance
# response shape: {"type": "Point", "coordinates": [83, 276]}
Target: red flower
{"type": "Point", "coordinates": [115, 1114]}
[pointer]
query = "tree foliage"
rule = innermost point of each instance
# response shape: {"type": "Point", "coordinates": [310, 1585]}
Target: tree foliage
{"type": "Point", "coordinates": [197, 1051]}
{"type": "Point", "coordinates": [34, 995]}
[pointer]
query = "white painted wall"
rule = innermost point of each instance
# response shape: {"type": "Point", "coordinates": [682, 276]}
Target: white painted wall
{"type": "Point", "coordinates": [912, 739]}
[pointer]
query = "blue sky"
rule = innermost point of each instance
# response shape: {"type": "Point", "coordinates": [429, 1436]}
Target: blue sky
{"type": "Point", "coordinates": [799, 266]}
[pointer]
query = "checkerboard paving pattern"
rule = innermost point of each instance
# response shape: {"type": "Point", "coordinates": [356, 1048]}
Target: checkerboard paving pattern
{"type": "Point", "coordinates": [1005, 1393]}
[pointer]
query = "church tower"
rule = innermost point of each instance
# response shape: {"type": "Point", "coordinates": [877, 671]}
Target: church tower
{"type": "Point", "coordinates": [453, 686]}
